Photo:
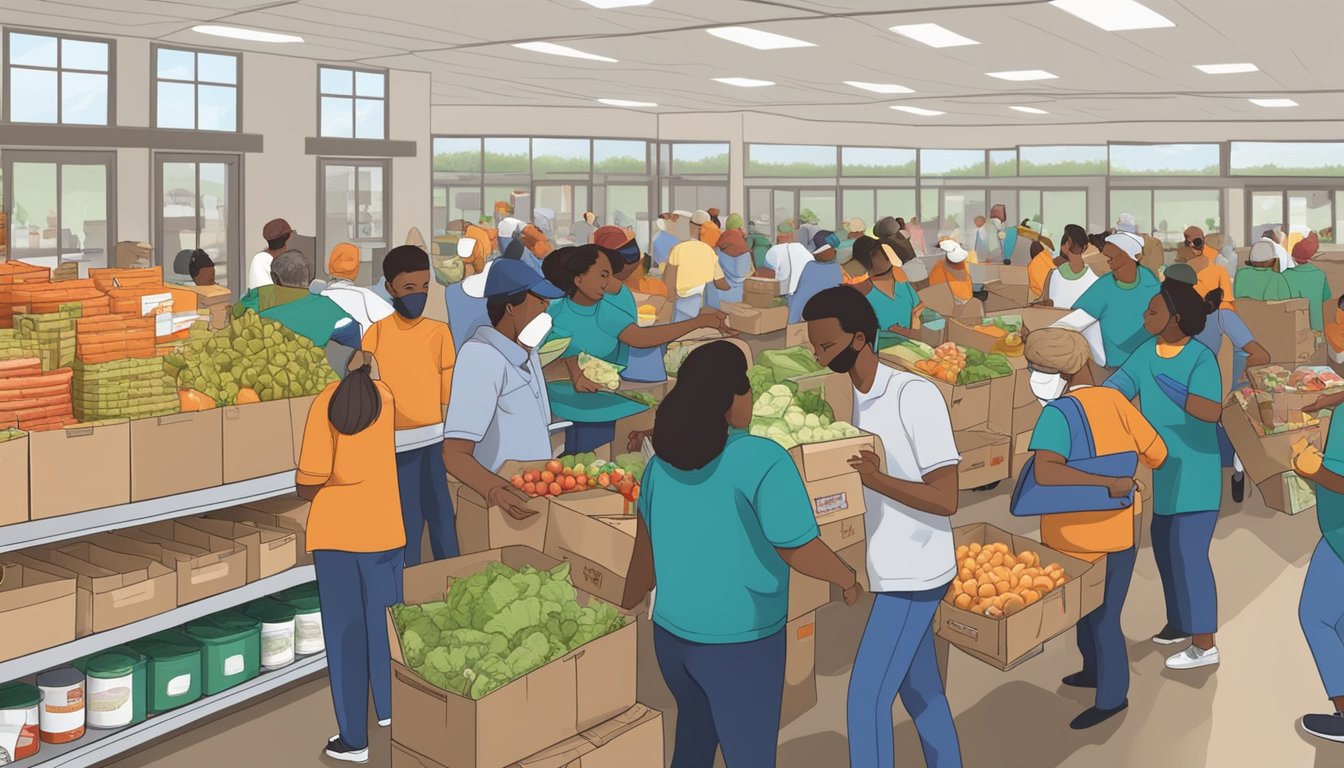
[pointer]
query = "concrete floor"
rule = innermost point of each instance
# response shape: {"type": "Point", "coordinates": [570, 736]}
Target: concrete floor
{"type": "Point", "coordinates": [1243, 713]}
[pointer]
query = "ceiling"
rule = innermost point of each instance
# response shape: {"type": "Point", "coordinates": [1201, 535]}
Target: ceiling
{"type": "Point", "coordinates": [665, 55]}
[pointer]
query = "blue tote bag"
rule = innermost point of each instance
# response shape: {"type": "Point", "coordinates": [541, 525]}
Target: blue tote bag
{"type": "Point", "coordinates": [1031, 499]}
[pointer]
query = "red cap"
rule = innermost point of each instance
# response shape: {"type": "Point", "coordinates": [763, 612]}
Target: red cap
{"type": "Point", "coordinates": [276, 229]}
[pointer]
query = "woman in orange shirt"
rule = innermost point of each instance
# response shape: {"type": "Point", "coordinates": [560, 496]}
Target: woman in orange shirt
{"type": "Point", "coordinates": [348, 471]}
{"type": "Point", "coordinates": [952, 270]}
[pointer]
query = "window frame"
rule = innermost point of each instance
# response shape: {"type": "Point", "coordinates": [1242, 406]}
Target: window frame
{"type": "Point", "coordinates": [59, 158]}
{"type": "Point", "coordinates": [386, 99]}
{"type": "Point", "coordinates": [320, 238]}
{"type": "Point", "coordinates": [195, 82]}
{"type": "Point", "coordinates": [111, 74]}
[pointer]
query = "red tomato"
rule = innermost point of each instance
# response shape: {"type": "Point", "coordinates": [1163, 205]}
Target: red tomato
{"type": "Point", "coordinates": [547, 476]}
{"type": "Point", "coordinates": [530, 476]}
{"type": "Point", "coordinates": [604, 480]}
{"type": "Point", "coordinates": [581, 481]}
{"type": "Point", "coordinates": [569, 483]}
{"type": "Point", "coordinates": [517, 481]}
{"type": "Point", "coordinates": [555, 489]}
{"type": "Point", "coordinates": [626, 485]}
{"type": "Point", "coordinates": [554, 466]}
{"type": "Point", "coordinates": [530, 489]}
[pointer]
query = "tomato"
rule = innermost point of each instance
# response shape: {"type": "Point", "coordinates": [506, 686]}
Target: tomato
{"type": "Point", "coordinates": [517, 481]}
{"type": "Point", "coordinates": [569, 483]}
{"type": "Point", "coordinates": [581, 481]}
{"type": "Point", "coordinates": [530, 476]}
{"type": "Point", "coordinates": [530, 489]}
{"type": "Point", "coordinates": [634, 493]}
{"type": "Point", "coordinates": [626, 485]}
{"type": "Point", "coordinates": [603, 480]}
{"type": "Point", "coordinates": [555, 489]}
{"type": "Point", "coordinates": [547, 476]}
{"type": "Point", "coordinates": [553, 466]}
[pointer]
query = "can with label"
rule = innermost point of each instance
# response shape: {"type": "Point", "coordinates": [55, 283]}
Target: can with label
{"type": "Point", "coordinates": [110, 690]}
{"type": "Point", "coordinates": [307, 618]}
{"type": "Point", "coordinates": [18, 722]}
{"type": "Point", "coordinates": [61, 715]}
{"type": "Point", "coordinates": [277, 631]}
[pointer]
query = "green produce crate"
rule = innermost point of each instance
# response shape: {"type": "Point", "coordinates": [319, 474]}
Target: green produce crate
{"type": "Point", "coordinates": [231, 649]}
{"type": "Point", "coordinates": [174, 664]}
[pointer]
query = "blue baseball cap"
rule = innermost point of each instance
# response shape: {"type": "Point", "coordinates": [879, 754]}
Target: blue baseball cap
{"type": "Point", "coordinates": [507, 277]}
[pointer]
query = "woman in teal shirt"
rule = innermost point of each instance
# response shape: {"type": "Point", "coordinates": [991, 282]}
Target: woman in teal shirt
{"type": "Point", "coordinates": [1117, 301]}
{"type": "Point", "coordinates": [1180, 390]}
{"type": "Point", "coordinates": [723, 516]}
{"type": "Point", "coordinates": [600, 328]}
{"type": "Point", "coordinates": [894, 301]}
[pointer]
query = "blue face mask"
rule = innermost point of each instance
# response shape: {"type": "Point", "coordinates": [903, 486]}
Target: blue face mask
{"type": "Point", "coordinates": [410, 306]}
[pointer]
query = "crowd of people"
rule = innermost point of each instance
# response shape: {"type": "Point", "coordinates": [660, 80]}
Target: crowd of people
{"type": "Point", "coordinates": [723, 516]}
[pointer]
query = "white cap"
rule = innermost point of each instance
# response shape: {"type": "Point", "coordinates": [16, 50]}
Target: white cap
{"type": "Point", "coordinates": [509, 226]}
{"type": "Point", "coordinates": [1128, 242]}
{"type": "Point", "coordinates": [955, 253]}
{"type": "Point", "coordinates": [1263, 252]}
{"type": "Point", "coordinates": [465, 247]}
{"type": "Point", "coordinates": [1127, 223]}
{"type": "Point", "coordinates": [474, 285]}
{"type": "Point", "coordinates": [683, 214]}
{"type": "Point", "coordinates": [699, 217]}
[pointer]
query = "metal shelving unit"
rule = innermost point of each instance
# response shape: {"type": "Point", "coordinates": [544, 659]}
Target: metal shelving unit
{"type": "Point", "coordinates": [38, 532]}
{"type": "Point", "coordinates": [98, 746]}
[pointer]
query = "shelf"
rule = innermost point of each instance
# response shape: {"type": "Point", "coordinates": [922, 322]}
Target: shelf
{"type": "Point", "coordinates": [36, 662]}
{"type": "Point", "coordinates": [98, 746]}
{"type": "Point", "coordinates": [38, 532]}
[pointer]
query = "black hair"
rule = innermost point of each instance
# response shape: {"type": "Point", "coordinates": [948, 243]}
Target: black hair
{"type": "Point", "coordinates": [403, 259]}
{"type": "Point", "coordinates": [1098, 240]}
{"type": "Point", "coordinates": [496, 305]}
{"type": "Point", "coordinates": [278, 243]}
{"type": "Point", "coordinates": [199, 260]}
{"type": "Point", "coordinates": [1191, 309]}
{"type": "Point", "coordinates": [901, 246]}
{"type": "Point", "coordinates": [356, 402]}
{"type": "Point", "coordinates": [863, 251]}
{"type": "Point", "coordinates": [563, 265]}
{"type": "Point", "coordinates": [690, 427]}
{"type": "Point", "coordinates": [1076, 235]}
{"type": "Point", "coordinates": [849, 307]}
{"type": "Point", "coordinates": [1036, 248]}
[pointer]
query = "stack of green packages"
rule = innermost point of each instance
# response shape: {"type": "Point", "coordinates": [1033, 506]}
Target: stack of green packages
{"type": "Point", "coordinates": [230, 647]}
{"type": "Point", "coordinates": [11, 433]}
{"type": "Point", "coordinates": [134, 388]}
{"type": "Point", "coordinates": [11, 347]}
{"type": "Point", "coordinates": [50, 337]}
{"type": "Point", "coordinates": [174, 664]}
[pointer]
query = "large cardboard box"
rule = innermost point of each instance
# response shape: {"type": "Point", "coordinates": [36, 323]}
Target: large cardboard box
{"type": "Point", "coordinates": [544, 707]}
{"type": "Point", "coordinates": [970, 404]}
{"type": "Point", "coordinates": [795, 335]}
{"type": "Point", "coordinates": [298, 419]}
{"type": "Point", "coordinates": [37, 606]}
{"type": "Point", "coordinates": [761, 292]}
{"type": "Point", "coordinates": [14, 479]}
{"type": "Point", "coordinates": [632, 739]}
{"type": "Point", "coordinates": [200, 572]}
{"type": "Point", "coordinates": [843, 533]}
{"type": "Point", "coordinates": [1288, 493]}
{"type": "Point", "coordinates": [754, 321]}
{"type": "Point", "coordinates": [1003, 643]}
{"type": "Point", "coordinates": [1283, 328]}
{"type": "Point", "coordinates": [1021, 452]}
{"type": "Point", "coordinates": [856, 557]}
{"type": "Point", "coordinates": [177, 453]}
{"type": "Point", "coordinates": [112, 589]}
{"type": "Point", "coordinates": [1278, 408]}
{"type": "Point", "coordinates": [258, 440]}
{"type": "Point", "coordinates": [286, 513]}
{"type": "Point", "coordinates": [482, 527]}
{"type": "Point", "coordinates": [1266, 456]}
{"type": "Point", "coordinates": [78, 468]}
{"type": "Point", "coordinates": [833, 485]}
{"type": "Point", "coordinates": [269, 551]}
{"type": "Point", "coordinates": [985, 458]}
{"type": "Point", "coordinates": [800, 668]}
{"type": "Point", "coordinates": [940, 299]}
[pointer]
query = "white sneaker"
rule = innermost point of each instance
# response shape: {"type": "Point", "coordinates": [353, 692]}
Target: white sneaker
{"type": "Point", "coordinates": [384, 723]}
{"type": "Point", "coordinates": [1194, 658]}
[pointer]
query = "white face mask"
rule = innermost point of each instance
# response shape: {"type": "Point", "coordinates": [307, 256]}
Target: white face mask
{"type": "Point", "coordinates": [998, 223]}
{"type": "Point", "coordinates": [465, 247]}
{"type": "Point", "coordinates": [1046, 386]}
{"type": "Point", "coordinates": [535, 332]}
{"type": "Point", "coordinates": [957, 256]}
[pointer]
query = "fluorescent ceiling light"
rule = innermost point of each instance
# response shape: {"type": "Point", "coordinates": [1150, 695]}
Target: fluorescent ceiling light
{"type": "Point", "coordinates": [1030, 110]}
{"type": "Point", "coordinates": [933, 35]}
{"type": "Point", "coordinates": [240, 33]}
{"type": "Point", "coordinates": [1274, 102]}
{"type": "Point", "coordinates": [627, 103]}
{"type": "Point", "coordinates": [1226, 69]}
{"type": "Point", "coordinates": [561, 50]}
{"type": "Point", "coordinates": [758, 39]}
{"type": "Point", "coordinates": [743, 82]}
{"type": "Point", "coordinates": [1023, 75]}
{"type": "Point", "coordinates": [879, 87]}
{"type": "Point", "coordinates": [918, 111]}
{"type": "Point", "coordinates": [609, 4]}
{"type": "Point", "coordinates": [1115, 15]}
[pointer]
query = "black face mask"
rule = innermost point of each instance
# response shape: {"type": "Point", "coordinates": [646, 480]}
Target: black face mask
{"type": "Point", "coordinates": [844, 360]}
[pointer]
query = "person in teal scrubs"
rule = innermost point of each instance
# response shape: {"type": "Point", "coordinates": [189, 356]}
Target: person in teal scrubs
{"type": "Point", "coordinates": [1180, 392]}
{"type": "Point", "coordinates": [894, 301]}
{"type": "Point", "coordinates": [641, 364]}
{"type": "Point", "coordinates": [723, 516]}
{"type": "Point", "coordinates": [600, 328]}
{"type": "Point", "coordinates": [1307, 281]}
{"type": "Point", "coordinates": [1259, 281]}
{"type": "Point", "coordinates": [1117, 301]}
{"type": "Point", "coordinates": [290, 302]}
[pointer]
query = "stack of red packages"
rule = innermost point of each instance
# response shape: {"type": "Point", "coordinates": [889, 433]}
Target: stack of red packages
{"type": "Point", "coordinates": [12, 273]}
{"type": "Point", "coordinates": [45, 298]}
{"type": "Point", "coordinates": [107, 279]}
{"type": "Point", "coordinates": [114, 337]}
{"type": "Point", "coordinates": [33, 400]}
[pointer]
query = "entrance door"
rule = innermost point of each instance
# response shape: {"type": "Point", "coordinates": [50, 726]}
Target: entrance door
{"type": "Point", "coordinates": [61, 207]}
{"type": "Point", "coordinates": [355, 208]}
{"type": "Point", "coordinates": [198, 208]}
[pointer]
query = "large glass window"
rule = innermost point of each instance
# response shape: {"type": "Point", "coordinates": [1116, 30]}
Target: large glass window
{"type": "Point", "coordinates": [1003, 162]}
{"type": "Point", "coordinates": [877, 161]}
{"type": "Point", "coordinates": [198, 208]}
{"type": "Point", "coordinates": [195, 90]}
{"type": "Point", "coordinates": [623, 157]}
{"type": "Point", "coordinates": [1176, 209]}
{"type": "Point", "coordinates": [1165, 159]}
{"type": "Point", "coordinates": [1136, 202]}
{"type": "Point", "coordinates": [951, 162]}
{"type": "Point", "coordinates": [699, 159]}
{"type": "Point", "coordinates": [60, 207]}
{"type": "Point", "coordinates": [1313, 209]}
{"type": "Point", "coordinates": [58, 79]}
{"type": "Point", "coordinates": [561, 157]}
{"type": "Point", "coordinates": [791, 160]}
{"type": "Point", "coordinates": [457, 155]}
{"type": "Point", "coordinates": [353, 103]}
{"type": "Point", "coordinates": [354, 208]}
{"type": "Point", "coordinates": [1263, 158]}
{"type": "Point", "coordinates": [507, 156]}
{"type": "Point", "coordinates": [1062, 161]}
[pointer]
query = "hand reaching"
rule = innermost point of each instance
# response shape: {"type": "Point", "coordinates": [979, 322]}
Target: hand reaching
{"type": "Point", "coordinates": [867, 464]}
{"type": "Point", "coordinates": [512, 501]}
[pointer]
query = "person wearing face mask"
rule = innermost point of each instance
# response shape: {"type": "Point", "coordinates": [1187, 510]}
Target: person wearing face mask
{"type": "Point", "coordinates": [1058, 360]}
{"type": "Point", "coordinates": [822, 273]}
{"type": "Point", "coordinates": [952, 271]}
{"type": "Point", "coordinates": [500, 409]}
{"type": "Point", "coordinates": [911, 558]}
{"type": "Point", "coordinates": [1180, 392]}
{"type": "Point", "coordinates": [1116, 302]}
{"type": "Point", "coordinates": [1203, 259]}
{"type": "Point", "coordinates": [416, 358]}
{"type": "Point", "coordinates": [736, 265]}
{"type": "Point", "coordinates": [1307, 281]}
{"type": "Point", "coordinates": [1261, 281]}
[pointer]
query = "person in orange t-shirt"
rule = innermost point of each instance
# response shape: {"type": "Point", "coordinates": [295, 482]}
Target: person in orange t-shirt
{"type": "Point", "coordinates": [1038, 270]}
{"type": "Point", "coordinates": [1208, 272]}
{"type": "Point", "coordinates": [348, 472]}
{"type": "Point", "coordinates": [952, 270]}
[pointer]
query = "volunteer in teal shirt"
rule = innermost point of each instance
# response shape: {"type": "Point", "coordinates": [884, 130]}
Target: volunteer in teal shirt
{"type": "Point", "coordinates": [1258, 281]}
{"type": "Point", "coordinates": [1307, 281]}
{"type": "Point", "coordinates": [1180, 392]}
{"type": "Point", "coordinates": [894, 301]}
{"type": "Point", "coordinates": [641, 365]}
{"type": "Point", "coordinates": [723, 516]}
{"type": "Point", "coordinates": [1118, 300]}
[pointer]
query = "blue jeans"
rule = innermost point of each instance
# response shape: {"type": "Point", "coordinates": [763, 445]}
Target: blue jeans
{"type": "Point", "coordinates": [423, 480]}
{"type": "Point", "coordinates": [728, 696]}
{"type": "Point", "coordinates": [581, 437]}
{"type": "Point", "coordinates": [1321, 612]}
{"type": "Point", "coordinates": [1100, 639]}
{"type": "Point", "coordinates": [355, 589]}
{"type": "Point", "coordinates": [1181, 547]}
{"type": "Point", "coordinates": [896, 657]}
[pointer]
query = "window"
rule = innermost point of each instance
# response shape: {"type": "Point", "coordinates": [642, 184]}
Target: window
{"type": "Point", "coordinates": [699, 159]}
{"type": "Point", "coordinates": [354, 209]}
{"type": "Point", "coordinates": [1314, 210]}
{"type": "Point", "coordinates": [507, 156]}
{"type": "Point", "coordinates": [195, 90]}
{"type": "Point", "coordinates": [457, 156]}
{"type": "Point", "coordinates": [52, 79]}
{"type": "Point", "coordinates": [353, 103]}
{"type": "Point", "coordinates": [952, 162]}
{"type": "Point", "coordinates": [1165, 159]}
{"type": "Point", "coordinates": [198, 208]}
{"type": "Point", "coordinates": [60, 207]}
{"type": "Point", "coordinates": [1062, 161]}
{"type": "Point", "coordinates": [1262, 158]}
{"type": "Point", "coordinates": [623, 157]}
{"type": "Point", "coordinates": [1165, 213]}
{"type": "Point", "coordinates": [561, 157]}
{"type": "Point", "coordinates": [1003, 162]}
{"type": "Point", "coordinates": [790, 160]}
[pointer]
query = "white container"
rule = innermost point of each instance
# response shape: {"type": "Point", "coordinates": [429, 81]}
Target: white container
{"type": "Point", "coordinates": [308, 634]}
{"type": "Point", "coordinates": [61, 716]}
{"type": "Point", "coordinates": [109, 689]}
{"type": "Point", "coordinates": [277, 644]}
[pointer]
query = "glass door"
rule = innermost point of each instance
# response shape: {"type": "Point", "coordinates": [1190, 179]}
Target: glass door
{"type": "Point", "coordinates": [355, 208]}
{"type": "Point", "coordinates": [555, 208]}
{"type": "Point", "coordinates": [60, 208]}
{"type": "Point", "coordinates": [198, 208]}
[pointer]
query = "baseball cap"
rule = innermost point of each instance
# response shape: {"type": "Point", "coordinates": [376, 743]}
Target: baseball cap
{"type": "Point", "coordinates": [507, 277]}
{"type": "Point", "coordinates": [276, 229]}
{"type": "Point", "coordinates": [618, 240]}
{"type": "Point", "coordinates": [1181, 273]}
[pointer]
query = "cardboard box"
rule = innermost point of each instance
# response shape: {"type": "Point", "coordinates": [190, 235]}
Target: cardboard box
{"type": "Point", "coordinates": [37, 606]}
{"type": "Point", "coordinates": [844, 533]}
{"type": "Point", "coordinates": [1021, 452]}
{"type": "Point", "coordinates": [14, 479]}
{"type": "Point", "coordinates": [481, 527]}
{"type": "Point", "coordinates": [79, 468]}
{"type": "Point", "coordinates": [285, 513]}
{"type": "Point", "coordinates": [833, 485]}
{"type": "Point", "coordinates": [631, 739]}
{"type": "Point", "coordinates": [1003, 643]}
{"type": "Point", "coordinates": [1288, 493]}
{"type": "Point", "coordinates": [755, 321]}
{"type": "Point", "coordinates": [177, 453]}
{"type": "Point", "coordinates": [1276, 408]}
{"type": "Point", "coordinates": [663, 308]}
{"type": "Point", "coordinates": [836, 388]}
{"type": "Point", "coordinates": [856, 557]}
{"type": "Point", "coordinates": [800, 668]}
{"type": "Point", "coordinates": [200, 572]}
{"type": "Point", "coordinates": [940, 299]}
{"type": "Point", "coordinates": [795, 335]}
{"type": "Point", "coordinates": [112, 589]}
{"type": "Point", "coordinates": [1283, 328]}
{"type": "Point", "coordinates": [298, 419]}
{"type": "Point", "coordinates": [643, 420]}
{"type": "Point", "coordinates": [968, 405]}
{"type": "Point", "coordinates": [258, 440]}
{"type": "Point", "coordinates": [269, 551]}
{"type": "Point", "coordinates": [984, 458]}
{"type": "Point", "coordinates": [559, 700]}
{"type": "Point", "coordinates": [1266, 456]}
{"type": "Point", "coordinates": [761, 292]}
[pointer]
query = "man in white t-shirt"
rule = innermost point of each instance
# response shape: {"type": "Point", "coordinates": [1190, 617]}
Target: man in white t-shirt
{"type": "Point", "coordinates": [911, 558]}
{"type": "Point", "coordinates": [276, 232]}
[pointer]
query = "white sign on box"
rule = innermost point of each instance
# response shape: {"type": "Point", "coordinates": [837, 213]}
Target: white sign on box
{"type": "Point", "coordinates": [160, 306]}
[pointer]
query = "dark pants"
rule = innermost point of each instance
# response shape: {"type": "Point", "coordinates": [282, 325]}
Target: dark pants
{"type": "Point", "coordinates": [1100, 639]}
{"type": "Point", "coordinates": [727, 696]}
{"type": "Point", "coordinates": [1181, 548]}
{"type": "Point", "coordinates": [581, 437]}
{"type": "Point", "coordinates": [355, 589]}
{"type": "Point", "coordinates": [423, 480]}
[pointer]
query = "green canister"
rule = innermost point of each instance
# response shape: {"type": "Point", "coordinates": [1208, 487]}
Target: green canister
{"type": "Point", "coordinates": [231, 649]}
{"type": "Point", "coordinates": [307, 618]}
{"type": "Point", "coordinates": [277, 631]}
{"type": "Point", "coordinates": [174, 663]}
